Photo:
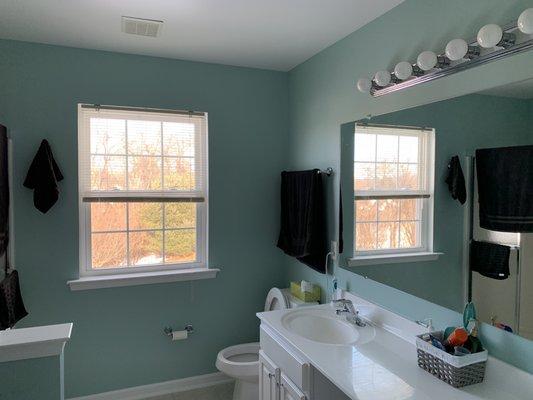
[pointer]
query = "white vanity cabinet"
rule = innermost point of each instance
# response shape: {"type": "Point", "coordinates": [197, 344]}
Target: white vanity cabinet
{"type": "Point", "coordinates": [275, 385]}
{"type": "Point", "coordinates": [269, 378]}
{"type": "Point", "coordinates": [288, 390]}
{"type": "Point", "coordinates": [284, 374]}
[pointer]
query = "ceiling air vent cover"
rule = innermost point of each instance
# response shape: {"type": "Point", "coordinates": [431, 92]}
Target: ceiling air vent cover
{"type": "Point", "coordinates": [142, 27]}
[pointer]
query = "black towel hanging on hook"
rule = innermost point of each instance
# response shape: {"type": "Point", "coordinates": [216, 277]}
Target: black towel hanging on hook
{"type": "Point", "coordinates": [43, 177]}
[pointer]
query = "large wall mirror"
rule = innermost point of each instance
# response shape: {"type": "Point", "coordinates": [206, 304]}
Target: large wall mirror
{"type": "Point", "coordinates": [438, 202]}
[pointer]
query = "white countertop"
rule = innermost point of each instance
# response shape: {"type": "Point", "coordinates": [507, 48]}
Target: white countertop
{"type": "Point", "coordinates": [385, 368]}
{"type": "Point", "coordinates": [35, 342]}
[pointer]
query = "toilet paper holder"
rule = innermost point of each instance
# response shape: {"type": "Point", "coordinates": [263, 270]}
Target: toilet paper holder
{"type": "Point", "coordinates": [168, 329]}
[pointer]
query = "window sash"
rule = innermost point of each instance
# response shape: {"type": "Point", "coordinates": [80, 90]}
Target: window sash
{"type": "Point", "coordinates": [86, 233]}
{"type": "Point", "coordinates": [425, 229]}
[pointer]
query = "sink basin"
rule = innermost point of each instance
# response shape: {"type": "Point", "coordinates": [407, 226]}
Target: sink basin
{"type": "Point", "coordinates": [322, 326]}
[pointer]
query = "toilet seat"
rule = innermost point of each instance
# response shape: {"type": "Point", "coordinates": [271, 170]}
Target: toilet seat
{"type": "Point", "coordinates": [228, 361]}
{"type": "Point", "coordinates": [242, 361]}
{"type": "Point", "coordinates": [276, 300]}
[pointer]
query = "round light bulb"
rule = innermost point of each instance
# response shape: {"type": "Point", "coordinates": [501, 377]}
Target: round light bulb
{"type": "Point", "coordinates": [403, 70]}
{"type": "Point", "coordinates": [525, 21]}
{"type": "Point", "coordinates": [426, 60]}
{"type": "Point", "coordinates": [382, 78]}
{"type": "Point", "coordinates": [364, 85]}
{"type": "Point", "coordinates": [456, 49]}
{"type": "Point", "coordinates": [489, 36]}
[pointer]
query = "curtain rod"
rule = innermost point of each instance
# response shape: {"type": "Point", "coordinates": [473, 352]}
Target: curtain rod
{"type": "Point", "coordinates": [154, 110]}
{"type": "Point", "coordinates": [406, 127]}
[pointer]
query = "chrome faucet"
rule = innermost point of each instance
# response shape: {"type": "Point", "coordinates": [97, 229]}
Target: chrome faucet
{"type": "Point", "coordinates": [352, 315]}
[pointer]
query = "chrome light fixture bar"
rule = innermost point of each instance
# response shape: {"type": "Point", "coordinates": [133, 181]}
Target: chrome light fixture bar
{"type": "Point", "coordinates": [474, 57]}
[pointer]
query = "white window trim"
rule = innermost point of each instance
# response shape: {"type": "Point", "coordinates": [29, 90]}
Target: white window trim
{"type": "Point", "coordinates": [413, 254]}
{"type": "Point", "coordinates": [90, 278]}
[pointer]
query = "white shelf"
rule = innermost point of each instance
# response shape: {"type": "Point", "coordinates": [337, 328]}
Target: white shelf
{"type": "Point", "coordinates": [35, 342]}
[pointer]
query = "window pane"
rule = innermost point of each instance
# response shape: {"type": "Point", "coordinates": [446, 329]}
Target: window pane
{"type": "Point", "coordinates": [364, 147]}
{"type": "Point", "coordinates": [146, 248]}
{"type": "Point", "coordinates": [108, 173]}
{"type": "Point", "coordinates": [145, 215]}
{"type": "Point", "coordinates": [365, 210]}
{"type": "Point", "coordinates": [386, 176]}
{"type": "Point", "coordinates": [409, 234]}
{"type": "Point", "coordinates": [408, 176]}
{"type": "Point", "coordinates": [365, 236]}
{"type": "Point", "coordinates": [144, 137]}
{"type": "Point", "coordinates": [180, 246]}
{"type": "Point", "coordinates": [388, 210]}
{"type": "Point", "coordinates": [178, 139]}
{"type": "Point", "coordinates": [180, 215]}
{"type": "Point", "coordinates": [179, 174]}
{"type": "Point", "coordinates": [388, 235]}
{"type": "Point", "coordinates": [108, 136]}
{"type": "Point", "coordinates": [387, 148]}
{"type": "Point", "coordinates": [409, 209]}
{"type": "Point", "coordinates": [144, 173]}
{"type": "Point", "coordinates": [409, 149]}
{"type": "Point", "coordinates": [364, 176]}
{"type": "Point", "coordinates": [108, 250]}
{"type": "Point", "coordinates": [108, 216]}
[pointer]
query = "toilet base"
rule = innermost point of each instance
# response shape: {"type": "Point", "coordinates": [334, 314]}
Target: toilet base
{"type": "Point", "coordinates": [245, 390]}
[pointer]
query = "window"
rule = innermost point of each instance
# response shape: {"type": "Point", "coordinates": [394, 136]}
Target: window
{"type": "Point", "coordinates": [142, 190]}
{"type": "Point", "coordinates": [393, 187]}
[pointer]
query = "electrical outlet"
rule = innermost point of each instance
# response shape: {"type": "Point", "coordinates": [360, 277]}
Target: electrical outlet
{"type": "Point", "coordinates": [334, 248]}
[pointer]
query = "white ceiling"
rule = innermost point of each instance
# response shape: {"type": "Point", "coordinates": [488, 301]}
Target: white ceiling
{"type": "Point", "coordinates": [272, 34]}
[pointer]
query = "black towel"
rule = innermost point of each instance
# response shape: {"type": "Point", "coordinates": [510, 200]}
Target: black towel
{"type": "Point", "coordinates": [490, 259]}
{"type": "Point", "coordinates": [505, 187]}
{"type": "Point", "coordinates": [4, 191]}
{"type": "Point", "coordinates": [303, 231]}
{"type": "Point", "coordinates": [42, 177]}
{"type": "Point", "coordinates": [456, 180]}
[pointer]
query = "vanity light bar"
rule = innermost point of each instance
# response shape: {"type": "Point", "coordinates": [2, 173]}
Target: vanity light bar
{"type": "Point", "coordinates": [459, 56]}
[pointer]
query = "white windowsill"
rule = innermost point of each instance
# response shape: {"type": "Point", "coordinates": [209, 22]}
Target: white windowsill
{"type": "Point", "coordinates": [377, 259]}
{"type": "Point", "coordinates": [141, 278]}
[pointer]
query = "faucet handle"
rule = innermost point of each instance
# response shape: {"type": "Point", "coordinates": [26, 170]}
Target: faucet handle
{"type": "Point", "coordinates": [347, 306]}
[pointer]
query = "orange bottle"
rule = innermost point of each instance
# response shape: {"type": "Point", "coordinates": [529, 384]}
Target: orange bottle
{"type": "Point", "coordinates": [457, 338]}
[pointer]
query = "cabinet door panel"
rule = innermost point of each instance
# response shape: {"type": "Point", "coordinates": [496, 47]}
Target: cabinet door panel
{"type": "Point", "coordinates": [289, 391]}
{"type": "Point", "coordinates": [268, 379]}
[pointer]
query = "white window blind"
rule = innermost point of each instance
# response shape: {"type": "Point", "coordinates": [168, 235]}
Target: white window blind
{"type": "Point", "coordinates": [393, 188]}
{"type": "Point", "coordinates": [143, 189]}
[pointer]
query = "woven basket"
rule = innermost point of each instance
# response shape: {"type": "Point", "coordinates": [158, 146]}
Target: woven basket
{"type": "Point", "coordinates": [457, 371]}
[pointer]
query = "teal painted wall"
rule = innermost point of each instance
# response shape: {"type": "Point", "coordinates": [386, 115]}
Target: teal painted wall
{"type": "Point", "coordinates": [462, 125]}
{"type": "Point", "coordinates": [39, 378]}
{"type": "Point", "coordinates": [117, 340]}
{"type": "Point", "coordinates": [322, 96]}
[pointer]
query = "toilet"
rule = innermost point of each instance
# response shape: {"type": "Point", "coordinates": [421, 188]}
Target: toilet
{"type": "Point", "coordinates": [242, 361]}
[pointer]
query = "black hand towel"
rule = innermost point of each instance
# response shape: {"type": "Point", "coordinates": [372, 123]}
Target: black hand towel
{"type": "Point", "coordinates": [43, 176]}
{"type": "Point", "coordinates": [4, 191]}
{"type": "Point", "coordinates": [505, 187]}
{"type": "Point", "coordinates": [456, 180]}
{"type": "Point", "coordinates": [490, 259]}
{"type": "Point", "coordinates": [303, 231]}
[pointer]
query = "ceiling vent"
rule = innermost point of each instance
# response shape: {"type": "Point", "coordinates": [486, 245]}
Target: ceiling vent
{"type": "Point", "coordinates": [142, 27]}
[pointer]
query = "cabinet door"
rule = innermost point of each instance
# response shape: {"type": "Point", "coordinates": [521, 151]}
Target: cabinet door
{"type": "Point", "coordinates": [268, 378]}
{"type": "Point", "coordinates": [289, 391]}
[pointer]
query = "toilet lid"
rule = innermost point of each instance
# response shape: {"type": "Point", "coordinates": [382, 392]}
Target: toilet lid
{"type": "Point", "coordinates": [276, 300]}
